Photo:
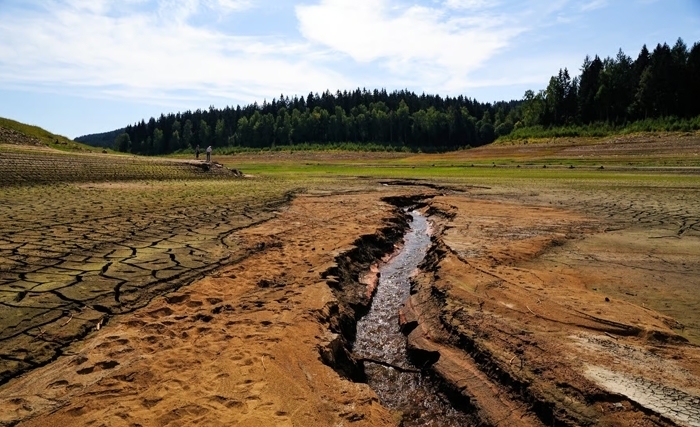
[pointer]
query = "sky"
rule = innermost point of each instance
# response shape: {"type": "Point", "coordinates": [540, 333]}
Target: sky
{"type": "Point", "coordinates": [77, 67]}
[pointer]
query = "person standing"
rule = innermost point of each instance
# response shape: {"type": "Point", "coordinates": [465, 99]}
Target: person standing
{"type": "Point", "coordinates": [209, 154]}
{"type": "Point", "coordinates": [196, 152]}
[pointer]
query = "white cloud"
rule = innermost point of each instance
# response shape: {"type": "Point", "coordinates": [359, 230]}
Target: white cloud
{"type": "Point", "coordinates": [428, 43]}
{"type": "Point", "coordinates": [470, 4]}
{"type": "Point", "coordinates": [594, 4]}
{"type": "Point", "coordinates": [151, 54]}
{"type": "Point", "coordinates": [169, 50]}
{"type": "Point", "coordinates": [182, 10]}
{"type": "Point", "coordinates": [234, 5]}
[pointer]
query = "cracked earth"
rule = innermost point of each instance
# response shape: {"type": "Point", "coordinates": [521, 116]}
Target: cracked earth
{"type": "Point", "coordinates": [210, 302]}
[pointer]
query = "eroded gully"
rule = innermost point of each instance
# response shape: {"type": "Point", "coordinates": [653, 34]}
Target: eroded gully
{"type": "Point", "coordinates": [400, 385]}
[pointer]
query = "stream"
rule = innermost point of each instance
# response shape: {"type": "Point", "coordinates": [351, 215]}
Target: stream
{"type": "Point", "coordinates": [414, 395]}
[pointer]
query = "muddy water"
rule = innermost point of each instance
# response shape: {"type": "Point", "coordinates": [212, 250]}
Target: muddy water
{"type": "Point", "coordinates": [414, 395]}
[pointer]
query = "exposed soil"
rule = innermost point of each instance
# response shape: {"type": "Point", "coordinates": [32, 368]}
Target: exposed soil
{"type": "Point", "coordinates": [548, 307]}
{"type": "Point", "coordinates": [524, 291]}
{"type": "Point", "coordinates": [42, 165]}
{"type": "Point", "coordinates": [11, 136]}
{"type": "Point", "coordinates": [243, 347]}
{"type": "Point", "coordinates": [72, 257]}
{"type": "Point", "coordinates": [671, 149]}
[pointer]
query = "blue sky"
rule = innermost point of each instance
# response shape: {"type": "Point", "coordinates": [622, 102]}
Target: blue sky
{"type": "Point", "coordinates": [85, 66]}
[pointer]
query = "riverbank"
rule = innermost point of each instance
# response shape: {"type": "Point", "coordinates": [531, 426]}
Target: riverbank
{"type": "Point", "coordinates": [514, 288]}
{"type": "Point", "coordinates": [518, 301]}
{"type": "Point", "coordinates": [241, 347]}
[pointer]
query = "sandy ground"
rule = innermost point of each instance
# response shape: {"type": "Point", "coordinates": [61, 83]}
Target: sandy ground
{"type": "Point", "coordinates": [542, 314]}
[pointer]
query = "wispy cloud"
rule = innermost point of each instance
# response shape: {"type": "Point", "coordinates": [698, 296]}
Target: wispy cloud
{"type": "Point", "coordinates": [471, 4]}
{"type": "Point", "coordinates": [182, 10]}
{"type": "Point", "coordinates": [426, 42]}
{"type": "Point", "coordinates": [148, 53]}
{"type": "Point", "coordinates": [169, 50]}
{"type": "Point", "coordinates": [593, 4]}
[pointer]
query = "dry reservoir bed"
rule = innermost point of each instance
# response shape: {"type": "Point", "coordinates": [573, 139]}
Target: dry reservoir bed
{"type": "Point", "coordinates": [72, 256]}
{"type": "Point", "coordinates": [547, 306]}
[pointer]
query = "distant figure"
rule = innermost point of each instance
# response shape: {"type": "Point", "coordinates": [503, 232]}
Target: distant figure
{"type": "Point", "coordinates": [196, 152]}
{"type": "Point", "coordinates": [209, 154]}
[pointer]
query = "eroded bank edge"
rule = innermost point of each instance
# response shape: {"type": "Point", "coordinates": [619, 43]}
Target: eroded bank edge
{"type": "Point", "coordinates": [537, 401]}
{"type": "Point", "coordinates": [431, 315]}
{"type": "Point", "coordinates": [352, 297]}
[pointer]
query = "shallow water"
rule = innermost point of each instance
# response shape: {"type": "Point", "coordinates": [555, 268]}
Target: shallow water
{"type": "Point", "coordinates": [415, 395]}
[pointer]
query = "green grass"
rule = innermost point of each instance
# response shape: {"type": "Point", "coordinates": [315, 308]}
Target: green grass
{"type": "Point", "coordinates": [603, 129]}
{"type": "Point", "coordinates": [34, 131]}
{"type": "Point", "coordinates": [329, 147]}
{"type": "Point", "coordinates": [501, 162]}
{"type": "Point", "coordinates": [467, 174]}
{"type": "Point", "coordinates": [45, 137]}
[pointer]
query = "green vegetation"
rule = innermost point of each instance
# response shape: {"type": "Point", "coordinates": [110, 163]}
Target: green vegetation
{"type": "Point", "coordinates": [603, 129]}
{"type": "Point", "coordinates": [43, 136]}
{"type": "Point", "coordinates": [483, 174]}
{"type": "Point", "coordinates": [401, 120]}
{"type": "Point", "coordinates": [655, 92]}
{"type": "Point", "coordinates": [14, 132]}
{"type": "Point", "coordinates": [104, 139]}
{"type": "Point", "coordinates": [335, 146]}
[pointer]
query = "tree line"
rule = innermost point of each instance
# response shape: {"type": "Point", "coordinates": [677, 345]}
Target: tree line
{"type": "Point", "coordinates": [619, 90]}
{"type": "Point", "coordinates": [396, 119]}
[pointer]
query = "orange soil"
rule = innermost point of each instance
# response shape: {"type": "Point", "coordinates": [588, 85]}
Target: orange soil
{"type": "Point", "coordinates": [525, 328]}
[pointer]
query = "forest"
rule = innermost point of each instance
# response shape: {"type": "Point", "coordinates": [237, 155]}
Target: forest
{"type": "Point", "coordinates": [660, 85]}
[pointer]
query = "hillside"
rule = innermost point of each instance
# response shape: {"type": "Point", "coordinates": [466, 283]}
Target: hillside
{"type": "Point", "coordinates": [31, 155]}
{"type": "Point", "coordinates": [14, 132]}
{"type": "Point", "coordinates": [17, 133]}
{"type": "Point", "coordinates": [103, 139]}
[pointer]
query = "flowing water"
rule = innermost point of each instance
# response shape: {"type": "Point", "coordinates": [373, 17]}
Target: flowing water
{"type": "Point", "coordinates": [413, 394]}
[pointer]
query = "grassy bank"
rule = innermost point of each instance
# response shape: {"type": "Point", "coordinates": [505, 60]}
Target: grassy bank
{"type": "Point", "coordinates": [605, 129]}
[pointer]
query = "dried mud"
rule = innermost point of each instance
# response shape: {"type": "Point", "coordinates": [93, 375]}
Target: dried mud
{"type": "Point", "coordinates": [73, 257]}
{"type": "Point", "coordinates": [534, 306]}
{"type": "Point", "coordinates": [514, 293]}
{"type": "Point", "coordinates": [246, 346]}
